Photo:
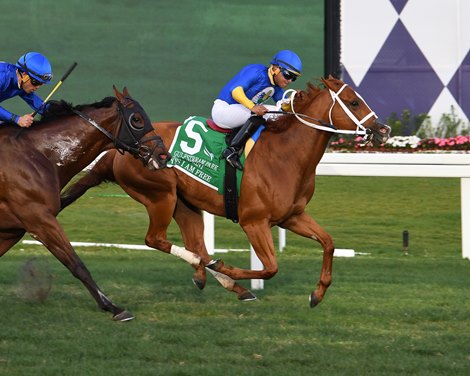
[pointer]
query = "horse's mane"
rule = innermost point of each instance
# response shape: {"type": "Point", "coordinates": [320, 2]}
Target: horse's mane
{"type": "Point", "coordinates": [60, 108]}
{"type": "Point", "coordinates": [301, 101]}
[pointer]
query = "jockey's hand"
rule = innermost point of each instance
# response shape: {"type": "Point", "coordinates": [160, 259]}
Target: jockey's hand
{"type": "Point", "coordinates": [259, 110]}
{"type": "Point", "coordinates": [284, 105]}
{"type": "Point", "coordinates": [25, 121]}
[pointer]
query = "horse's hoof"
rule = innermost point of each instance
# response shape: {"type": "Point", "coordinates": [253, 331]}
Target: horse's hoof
{"type": "Point", "coordinates": [214, 264]}
{"type": "Point", "coordinates": [199, 283]}
{"type": "Point", "coordinates": [246, 296]}
{"type": "Point", "coordinates": [123, 316]}
{"type": "Point", "coordinates": [313, 300]}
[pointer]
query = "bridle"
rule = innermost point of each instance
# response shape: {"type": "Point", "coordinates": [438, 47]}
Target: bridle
{"type": "Point", "coordinates": [126, 136]}
{"type": "Point", "coordinates": [330, 127]}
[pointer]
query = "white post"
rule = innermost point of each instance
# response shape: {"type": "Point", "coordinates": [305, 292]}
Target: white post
{"type": "Point", "coordinates": [465, 215]}
{"type": "Point", "coordinates": [209, 235]}
{"type": "Point", "coordinates": [282, 239]}
{"type": "Point", "coordinates": [256, 264]}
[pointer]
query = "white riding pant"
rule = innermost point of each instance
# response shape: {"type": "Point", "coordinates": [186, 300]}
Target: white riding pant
{"type": "Point", "coordinates": [230, 116]}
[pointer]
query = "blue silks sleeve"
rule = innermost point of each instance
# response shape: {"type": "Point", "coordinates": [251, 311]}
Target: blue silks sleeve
{"type": "Point", "coordinates": [7, 115]}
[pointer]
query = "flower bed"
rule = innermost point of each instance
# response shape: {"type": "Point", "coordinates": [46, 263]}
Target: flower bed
{"type": "Point", "coordinates": [404, 144]}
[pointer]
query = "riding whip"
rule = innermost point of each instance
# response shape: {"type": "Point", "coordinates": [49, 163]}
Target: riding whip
{"type": "Point", "coordinates": [72, 67]}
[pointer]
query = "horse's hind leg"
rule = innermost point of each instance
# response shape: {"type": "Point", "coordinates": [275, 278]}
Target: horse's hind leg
{"type": "Point", "coordinates": [306, 226]}
{"type": "Point", "coordinates": [191, 225]}
{"type": "Point", "coordinates": [48, 231]}
{"type": "Point", "coordinates": [8, 240]}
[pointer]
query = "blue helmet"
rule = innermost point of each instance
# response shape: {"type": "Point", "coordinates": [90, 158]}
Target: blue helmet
{"type": "Point", "coordinates": [36, 65]}
{"type": "Point", "coordinates": [288, 60]}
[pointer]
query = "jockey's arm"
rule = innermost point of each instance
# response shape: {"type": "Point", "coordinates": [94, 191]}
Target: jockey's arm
{"type": "Point", "coordinates": [239, 95]}
{"type": "Point", "coordinates": [7, 116]}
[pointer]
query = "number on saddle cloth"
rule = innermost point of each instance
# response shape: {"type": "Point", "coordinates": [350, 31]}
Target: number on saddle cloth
{"type": "Point", "coordinates": [196, 151]}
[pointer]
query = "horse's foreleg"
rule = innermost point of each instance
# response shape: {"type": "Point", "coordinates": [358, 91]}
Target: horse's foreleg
{"type": "Point", "coordinates": [259, 235]}
{"type": "Point", "coordinates": [306, 226]}
{"type": "Point", "coordinates": [50, 233]}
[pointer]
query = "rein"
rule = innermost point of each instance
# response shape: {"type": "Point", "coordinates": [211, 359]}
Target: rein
{"type": "Point", "coordinates": [329, 127]}
{"type": "Point", "coordinates": [95, 124]}
{"type": "Point", "coordinates": [134, 146]}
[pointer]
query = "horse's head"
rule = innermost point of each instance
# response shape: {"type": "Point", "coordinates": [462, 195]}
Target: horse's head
{"type": "Point", "coordinates": [351, 113]}
{"type": "Point", "coordinates": [134, 125]}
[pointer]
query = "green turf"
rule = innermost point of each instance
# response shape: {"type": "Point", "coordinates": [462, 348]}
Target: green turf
{"type": "Point", "coordinates": [385, 313]}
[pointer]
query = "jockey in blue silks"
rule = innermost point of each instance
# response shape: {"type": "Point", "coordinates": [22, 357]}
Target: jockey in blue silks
{"type": "Point", "coordinates": [23, 79]}
{"type": "Point", "coordinates": [245, 95]}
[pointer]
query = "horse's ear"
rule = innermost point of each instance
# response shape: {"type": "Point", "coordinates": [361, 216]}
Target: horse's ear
{"type": "Point", "coordinates": [300, 95]}
{"type": "Point", "coordinates": [330, 79]}
{"type": "Point", "coordinates": [119, 96]}
{"type": "Point", "coordinates": [331, 82]}
{"type": "Point", "coordinates": [125, 92]}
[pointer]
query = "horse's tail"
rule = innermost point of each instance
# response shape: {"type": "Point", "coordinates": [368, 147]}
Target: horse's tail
{"type": "Point", "coordinates": [101, 172]}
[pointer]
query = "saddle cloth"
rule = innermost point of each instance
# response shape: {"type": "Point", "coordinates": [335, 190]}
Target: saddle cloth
{"type": "Point", "coordinates": [196, 151]}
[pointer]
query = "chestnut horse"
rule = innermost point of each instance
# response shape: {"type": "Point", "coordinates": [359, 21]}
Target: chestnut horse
{"type": "Point", "coordinates": [277, 184]}
{"type": "Point", "coordinates": [39, 161]}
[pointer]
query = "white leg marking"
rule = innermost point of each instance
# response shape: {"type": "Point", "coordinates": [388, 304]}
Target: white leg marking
{"type": "Point", "coordinates": [223, 279]}
{"type": "Point", "coordinates": [186, 255]}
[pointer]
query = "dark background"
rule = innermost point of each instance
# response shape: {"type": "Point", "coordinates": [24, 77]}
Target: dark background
{"type": "Point", "coordinates": [174, 56]}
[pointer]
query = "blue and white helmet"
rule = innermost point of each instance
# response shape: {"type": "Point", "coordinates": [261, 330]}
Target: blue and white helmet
{"type": "Point", "coordinates": [288, 60]}
{"type": "Point", "coordinates": [36, 65]}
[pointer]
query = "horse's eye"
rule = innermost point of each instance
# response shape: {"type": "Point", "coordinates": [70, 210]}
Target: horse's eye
{"type": "Point", "coordinates": [136, 120]}
{"type": "Point", "coordinates": [354, 103]}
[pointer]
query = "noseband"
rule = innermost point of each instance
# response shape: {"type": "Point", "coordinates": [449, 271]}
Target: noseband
{"type": "Point", "coordinates": [329, 127]}
{"type": "Point", "coordinates": [126, 136]}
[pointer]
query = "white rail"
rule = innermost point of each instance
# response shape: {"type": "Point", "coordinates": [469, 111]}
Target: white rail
{"type": "Point", "coordinates": [383, 164]}
{"type": "Point", "coordinates": [407, 165]}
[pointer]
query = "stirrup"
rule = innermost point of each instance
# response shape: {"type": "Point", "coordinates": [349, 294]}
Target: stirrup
{"type": "Point", "coordinates": [235, 162]}
{"type": "Point", "coordinates": [229, 152]}
{"type": "Point", "coordinates": [232, 157]}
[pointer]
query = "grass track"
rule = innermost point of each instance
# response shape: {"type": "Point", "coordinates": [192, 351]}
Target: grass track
{"type": "Point", "coordinates": [384, 314]}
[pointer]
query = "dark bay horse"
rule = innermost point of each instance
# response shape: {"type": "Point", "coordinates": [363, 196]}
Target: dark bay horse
{"type": "Point", "coordinates": [277, 184]}
{"type": "Point", "coordinates": [36, 163]}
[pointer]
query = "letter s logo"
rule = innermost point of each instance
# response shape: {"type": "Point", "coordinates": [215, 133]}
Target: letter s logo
{"type": "Point", "coordinates": [189, 129]}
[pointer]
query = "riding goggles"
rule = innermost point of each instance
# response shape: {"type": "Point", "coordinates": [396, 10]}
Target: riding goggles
{"type": "Point", "coordinates": [35, 82]}
{"type": "Point", "coordinates": [288, 75]}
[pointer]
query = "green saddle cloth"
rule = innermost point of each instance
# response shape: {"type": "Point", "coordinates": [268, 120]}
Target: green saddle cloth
{"type": "Point", "coordinates": [196, 150]}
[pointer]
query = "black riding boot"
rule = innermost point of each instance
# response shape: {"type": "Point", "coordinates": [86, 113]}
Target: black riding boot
{"type": "Point", "coordinates": [232, 153]}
